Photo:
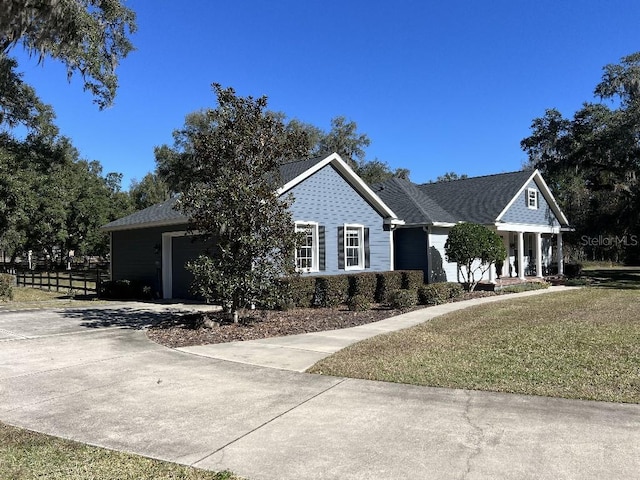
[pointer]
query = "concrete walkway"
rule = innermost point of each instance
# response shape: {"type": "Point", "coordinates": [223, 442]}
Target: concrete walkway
{"type": "Point", "coordinates": [299, 352]}
{"type": "Point", "coordinates": [92, 375]}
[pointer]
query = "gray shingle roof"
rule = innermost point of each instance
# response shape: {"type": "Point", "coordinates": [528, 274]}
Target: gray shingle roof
{"type": "Point", "coordinates": [160, 214]}
{"type": "Point", "coordinates": [410, 204]}
{"type": "Point", "coordinates": [289, 171]}
{"type": "Point", "coordinates": [477, 199]}
{"type": "Point", "coordinates": [165, 214]}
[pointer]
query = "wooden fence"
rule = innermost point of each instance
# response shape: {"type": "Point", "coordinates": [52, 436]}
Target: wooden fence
{"type": "Point", "coordinates": [83, 282]}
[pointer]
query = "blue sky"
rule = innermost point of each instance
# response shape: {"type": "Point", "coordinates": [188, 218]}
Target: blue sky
{"type": "Point", "coordinates": [437, 86]}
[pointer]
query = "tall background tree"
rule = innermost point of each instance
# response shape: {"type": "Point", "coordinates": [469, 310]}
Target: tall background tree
{"type": "Point", "coordinates": [53, 201]}
{"type": "Point", "coordinates": [89, 37]}
{"type": "Point", "coordinates": [592, 162]}
{"type": "Point", "coordinates": [173, 162]}
{"type": "Point", "coordinates": [228, 194]}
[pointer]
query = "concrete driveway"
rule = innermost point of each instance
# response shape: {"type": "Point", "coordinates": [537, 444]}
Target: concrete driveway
{"type": "Point", "coordinates": [91, 375]}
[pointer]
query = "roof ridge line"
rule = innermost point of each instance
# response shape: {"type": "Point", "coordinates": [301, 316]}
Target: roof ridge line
{"type": "Point", "coordinates": [420, 208]}
{"type": "Point", "coordinates": [474, 178]}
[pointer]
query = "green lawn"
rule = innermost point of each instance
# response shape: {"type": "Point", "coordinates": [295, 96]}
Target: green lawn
{"type": "Point", "coordinates": [30, 298]}
{"type": "Point", "coordinates": [578, 344]}
{"type": "Point", "coordinates": [29, 455]}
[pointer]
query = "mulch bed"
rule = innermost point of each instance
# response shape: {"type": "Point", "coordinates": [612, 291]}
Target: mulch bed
{"type": "Point", "coordinates": [190, 329]}
{"type": "Point", "coordinates": [212, 327]}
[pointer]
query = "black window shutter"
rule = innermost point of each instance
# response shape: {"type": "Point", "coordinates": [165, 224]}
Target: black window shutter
{"type": "Point", "coordinates": [341, 248]}
{"type": "Point", "coordinates": [322, 255]}
{"type": "Point", "coordinates": [367, 252]}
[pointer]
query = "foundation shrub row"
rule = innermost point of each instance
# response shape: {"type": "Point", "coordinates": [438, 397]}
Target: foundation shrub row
{"type": "Point", "coordinates": [400, 289]}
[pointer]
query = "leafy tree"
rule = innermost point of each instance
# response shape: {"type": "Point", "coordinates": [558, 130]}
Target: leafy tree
{"type": "Point", "coordinates": [475, 249]}
{"type": "Point", "coordinates": [174, 162]}
{"type": "Point", "coordinates": [53, 200]}
{"type": "Point", "coordinates": [19, 104]}
{"type": "Point", "coordinates": [228, 196]}
{"type": "Point", "coordinates": [376, 171]}
{"type": "Point", "coordinates": [591, 161]}
{"type": "Point", "coordinates": [451, 176]}
{"type": "Point", "coordinates": [88, 36]}
{"type": "Point", "coordinates": [179, 164]}
{"type": "Point", "coordinates": [344, 139]}
{"type": "Point", "coordinates": [149, 191]}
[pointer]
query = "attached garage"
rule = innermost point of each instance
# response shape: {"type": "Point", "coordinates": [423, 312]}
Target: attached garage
{"type": "Point", "coordinates": [152, 247]}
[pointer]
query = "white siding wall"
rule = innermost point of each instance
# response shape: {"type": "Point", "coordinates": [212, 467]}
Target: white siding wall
{"type": "Point", "coordinates": [439, 269]}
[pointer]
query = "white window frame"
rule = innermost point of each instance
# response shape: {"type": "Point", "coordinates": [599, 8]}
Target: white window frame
{"type": "Point", "coordinates": [532, 194]}
{"type": "Point", "coordinates": [301, 226]}
{"type": "Point", "coordinates": [361, 260]}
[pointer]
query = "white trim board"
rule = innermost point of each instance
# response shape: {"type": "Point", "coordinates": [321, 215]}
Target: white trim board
{"type": "Point", "coordinates": [544, 190]}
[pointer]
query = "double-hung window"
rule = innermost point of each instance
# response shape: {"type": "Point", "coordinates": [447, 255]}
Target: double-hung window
{"type": "Point", "coordinates": [532, 198]}
{"type": "Point", "coordinates": [307, 254]}
{"type": "Point", "coordinates": [354, 247]}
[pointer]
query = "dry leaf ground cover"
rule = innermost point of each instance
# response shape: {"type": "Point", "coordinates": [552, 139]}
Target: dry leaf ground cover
{"type": "Point", "coordinates": [187, 330]}
{"type": "Point", "coordinates": [579, 344]}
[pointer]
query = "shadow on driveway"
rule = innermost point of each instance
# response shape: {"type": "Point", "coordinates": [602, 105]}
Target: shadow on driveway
{"type": "Point", "coordinates": [126, 317]}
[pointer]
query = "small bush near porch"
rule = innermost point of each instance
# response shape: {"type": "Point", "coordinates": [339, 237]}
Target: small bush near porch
{"type": "Point", "coordinates": [579, 344]}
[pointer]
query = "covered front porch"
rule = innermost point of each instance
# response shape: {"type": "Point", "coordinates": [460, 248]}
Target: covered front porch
{"type": "Point", "coordinates": [532, 251]}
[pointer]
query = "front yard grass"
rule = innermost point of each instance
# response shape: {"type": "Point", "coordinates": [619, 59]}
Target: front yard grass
{"type": "Point", "coordinates": [582, 344]}
{"type": "Point", "coordinates": [33, 298]}
{"type": "Point", "coordinates": [25, 454]}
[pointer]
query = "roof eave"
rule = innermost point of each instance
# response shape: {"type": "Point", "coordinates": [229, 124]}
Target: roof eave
{"type": "Point", "coordinates": [159, 223]}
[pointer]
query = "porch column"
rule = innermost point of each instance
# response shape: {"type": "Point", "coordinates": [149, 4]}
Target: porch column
{"type": "Point", "coordinates": [521, 255]}
{"type": "Point", "coordinates": [492, 273]}
{"type": "Point", "coordinates": [506, 266]}
{"type": "Point", "coordinates": [560, 255]}
{"type": "Point", "coordinates": [167, 280]}
{"type": "Point", "coordinates": [538, 255]}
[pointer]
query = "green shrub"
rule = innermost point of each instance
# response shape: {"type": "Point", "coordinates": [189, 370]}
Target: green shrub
{"type": "Point", "coordinates": [363, 284]}
{"type": "Point", "coordinates": [433, 294]}
{"type": "Point", "coordinates": [331, 291]}
{"type": "Point", "coordinates": [455, 289]}
{"type": "Point", "coordinates": [525, 287]}
{"type": "Point", "coordinates": [402, 299]}
{"type": "Point", "coordinates": [297, 292]}
{"type": "Point", "coordinates": [412, 279]}
{"type": "Point", "coordinates": [387, 282]}
{"type": "Point", "coordinates": [359, 303]}
{"type": "Point", "coordinates": [438, 293]}
{"type": "Point", "coordinates": [6, 286]}
{"type": "Point", "coordinates": [573, 270]}
{"type": "Point", "coordinates": [125, 290]}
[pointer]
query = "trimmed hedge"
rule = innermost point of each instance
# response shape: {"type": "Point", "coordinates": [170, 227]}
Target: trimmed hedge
{"type": "Point", "coordinates": [125, 290]}
{"type": "Point", "coordinates": [359, 303]}
{"type": "Point", "coordinates": [357, 290]}
{"type": "Point", "coordinates": [6, 286]}
{"type": "Point", "coordinates": [433, 294]}
{"type": "Point", "coordinates": [402, 299]}
{"type": "Point", "coordinates": [439, 293]}
{"type": "Point", "coordinates": [300, 292]}
{"type": "Point", "coordinates": [331, 290]}
{"type": "Point", "coordinates": [387, 282]}
{"type": "Point", "coordinates": [412, 279]}
{"type": "Point", "coordinates": [363, 284]}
